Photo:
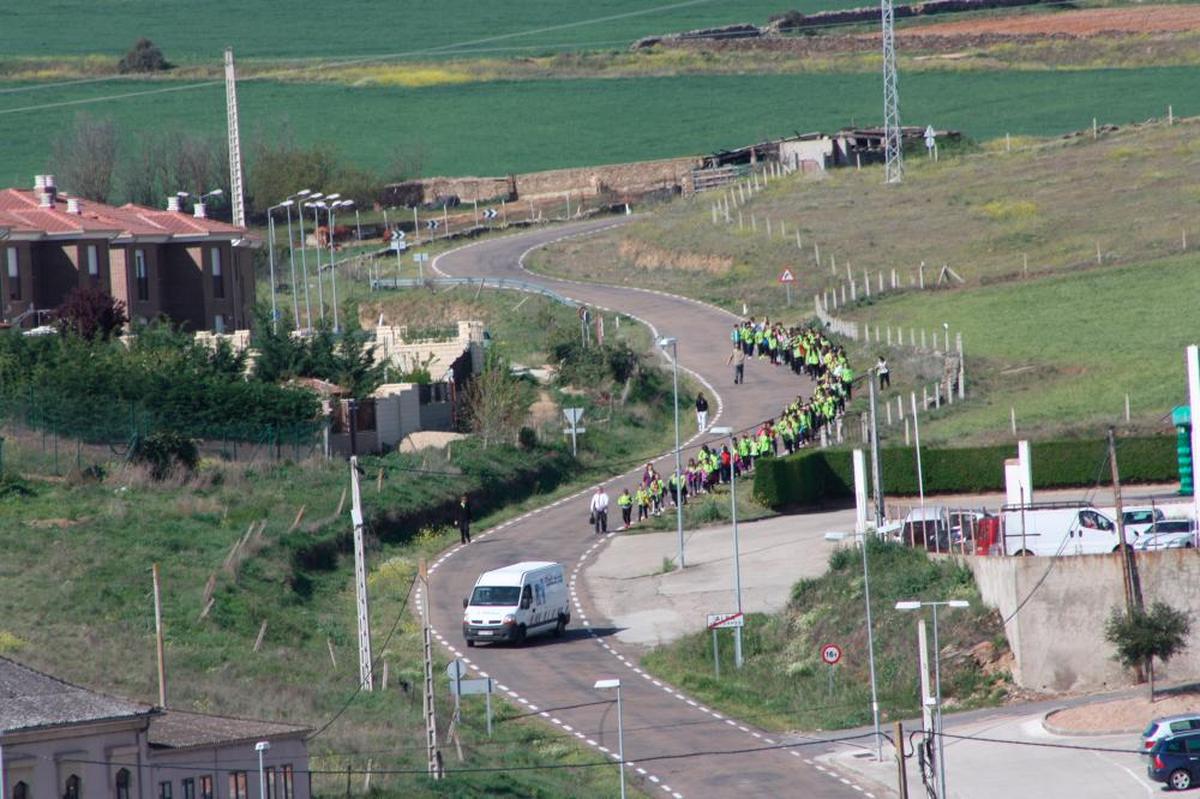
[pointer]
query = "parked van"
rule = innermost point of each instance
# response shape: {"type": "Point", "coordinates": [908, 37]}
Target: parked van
{"type": "Point", "coordinates": [1058, 528]}
{"type": "Point", "coordinates": [517, 601]}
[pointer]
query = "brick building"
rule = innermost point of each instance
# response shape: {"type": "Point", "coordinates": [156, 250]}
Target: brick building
{"type": "Point", "coordinates": [198, 272]}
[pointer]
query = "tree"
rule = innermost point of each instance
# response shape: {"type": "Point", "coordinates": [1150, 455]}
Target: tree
{"type": "Point", "coordinates": [496, 403]}
{"type": "Point", "coordinates": [1141, 636]}
{"type": "Point", "coordinates": [144, 56]}
{"type": "Point", "coordinates": [165, 162]}
{"type": "Point", "coordinates": [278, 168]}
{"type": "Point", "coordinates": [90, 313]}
{"type": "Point", "coordinates": [85, 157]}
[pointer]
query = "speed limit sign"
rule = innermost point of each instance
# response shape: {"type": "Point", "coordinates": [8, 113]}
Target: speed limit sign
{"type": "Point", "coordinates": [831, 653]}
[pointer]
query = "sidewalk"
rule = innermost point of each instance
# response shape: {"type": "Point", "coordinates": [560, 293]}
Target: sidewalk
{"type": "Point", "coordinates": [651, 608]}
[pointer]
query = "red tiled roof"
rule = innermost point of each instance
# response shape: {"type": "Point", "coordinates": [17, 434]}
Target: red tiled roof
{"type": "Point", "coordinates": [21, 212]}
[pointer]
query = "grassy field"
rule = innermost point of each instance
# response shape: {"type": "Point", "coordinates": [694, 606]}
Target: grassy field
{"type": "Point", "coordinates": [495, 128]}
{"type": "Point", "coordinates": [307, 28]}
{"type": "Point", "coordinates": [784, 686]}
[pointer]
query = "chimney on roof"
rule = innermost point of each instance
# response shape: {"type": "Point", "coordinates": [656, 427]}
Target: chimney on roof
{"type": "Point", "coordinates": [39, 184]}
{"type": "Point", "coordinates": [73, 206]}
{"type": "Point", "coordinates": [198, 211]}
{"type": "Point", "coordinates": [51, 188]}
{"type": "Point", "coordinates": [173, 202]}
{"type": "Point", "coordinates": [45, 199]}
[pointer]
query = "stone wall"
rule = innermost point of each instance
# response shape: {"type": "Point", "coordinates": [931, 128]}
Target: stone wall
{"type": "Point", "coordinates": [617, 178]}
{"type": "Point", "coordinates": [1057, 637]}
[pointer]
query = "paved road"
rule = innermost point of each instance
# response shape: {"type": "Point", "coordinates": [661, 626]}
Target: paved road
{"type": "Point", "coordinates": [553, 677]}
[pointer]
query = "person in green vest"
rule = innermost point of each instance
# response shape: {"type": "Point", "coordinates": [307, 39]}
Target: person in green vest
{"type": "Point", "coordinates": [643, 503]}
{"type": "Point", "coordinates": [625, 503]}
{"type": "Point", "coordinates": [746, 452]}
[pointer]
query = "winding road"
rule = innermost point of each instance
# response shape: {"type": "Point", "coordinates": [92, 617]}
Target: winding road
{"type": "Point", "coordinates": [674, 745]}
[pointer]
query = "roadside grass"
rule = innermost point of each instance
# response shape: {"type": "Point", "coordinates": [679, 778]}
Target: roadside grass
{"type": "Point", "coordinates": [983, 214]}
{"type": "Point", "coordinates": [484, 128]}
{"type": "Point", "coordinates": [783, 684]}
{"type": "Point", "coordinates": [1063, 351]}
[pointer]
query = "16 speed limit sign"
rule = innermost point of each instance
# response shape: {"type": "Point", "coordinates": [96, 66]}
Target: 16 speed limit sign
{"type": "Point", "coordinates": [831, 653]}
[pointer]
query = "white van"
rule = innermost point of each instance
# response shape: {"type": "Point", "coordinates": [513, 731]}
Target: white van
{"type": "Point", "coordinates": [517, 601]}
{"type": "Point", "coordinates": [1058, 528]}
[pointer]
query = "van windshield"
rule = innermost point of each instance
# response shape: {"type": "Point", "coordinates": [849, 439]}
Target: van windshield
{"type": "Point", "coordinates": [495, 595]}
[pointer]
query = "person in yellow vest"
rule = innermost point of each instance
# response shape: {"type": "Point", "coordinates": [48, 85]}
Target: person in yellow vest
{"type": "Point", "coordinates": [643, 503]}
{"type": "Point", "coordinates": [625, 503]}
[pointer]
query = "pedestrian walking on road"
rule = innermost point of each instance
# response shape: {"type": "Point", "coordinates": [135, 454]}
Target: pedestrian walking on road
{"type": "Point", "coordinates": [463, 514]}
{"type": "Point", "coordinates": [701, 411]}
{"type": "Point", "coordinates": [599, 508]}
{"type": "Point", "coordinates": [625, 503]}
{"type": "Point", "coordinates": [738, 359]}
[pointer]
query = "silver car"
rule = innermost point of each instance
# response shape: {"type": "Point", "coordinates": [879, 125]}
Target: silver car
{"type": "Point", "coordinates": [1168, 534]}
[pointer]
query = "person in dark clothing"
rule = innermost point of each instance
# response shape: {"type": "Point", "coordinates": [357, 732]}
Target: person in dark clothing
{"type": "Point", "coordinates": [701, 411]}
{"type": "Point", "coordinates": [464, 520]}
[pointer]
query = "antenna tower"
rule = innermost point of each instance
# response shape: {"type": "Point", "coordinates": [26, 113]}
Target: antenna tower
{"type": "Point", "coordinates": [238, 197]}
{"type": "Point", "coordinates": [894, 157]}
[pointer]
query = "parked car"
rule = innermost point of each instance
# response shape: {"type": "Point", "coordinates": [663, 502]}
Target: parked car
{"type": "Point", "coordinates": [1139, 520]}
{"type": "Point", "coordinates": [1175, 760]}
{"type": "Point", "coordinates": [1167, 726]}
{"type": "Point", "coordinates": [1168, 534]}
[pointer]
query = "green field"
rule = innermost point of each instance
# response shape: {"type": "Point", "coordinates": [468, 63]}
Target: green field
{"type": "Point", "coordinates": [349, 28]}
{"type": "Point", "coordinates": [496, 128]}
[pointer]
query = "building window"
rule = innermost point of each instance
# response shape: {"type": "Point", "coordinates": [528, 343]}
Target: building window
{"type": "Point", "coordinates": [189, 788]}
{"type": "Point", "coordinates": [237, 785]}
{"type": "Point", "coordinates": [72, 790]}
{"type": "Point", "coordinates": [123, 784]}
{"type": "Point", "coordinates": [20, 791]}
{"type": "Point", "coordinates": [206, 787]}
{"type": "Point", "coordinates": [14, 275]}
{"type": "Point", "coordinates": [219, 323]}
{"type": "Point", "coordinates": [93, 263]}
{"type": "Point", "coordinates": [269, 775]}
{"type": "Point", "coordinates": [286, 773]}
{"type": "Point", "coordinates": [218, 279]}
{"type": "Point", "coordinates": [142, 274]}
{"type": "Point", "coordinates": [164, 790]}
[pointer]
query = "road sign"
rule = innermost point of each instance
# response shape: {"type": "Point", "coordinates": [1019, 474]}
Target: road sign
{"type": "Point", "coordinates": [573, 415]}
{"type": "Point", "coordinates": [420, 257]}
{"type": "Point", "coordinates": [930, 137]}
{"type": "Point", "coordinates": [719, 621]}
{"type": "Point", "coordinates": [831, 653]}
{"type": "Point", "coordinates": [432, 224]}
{"type": "Point", "coordinates": [456, 670]}
{"type": "Point", "coordinates": [491, 213]}
{"type": "Point", "coordinates": [786, 276]}
{"type": "Point", "coordinates": [469, 687]}
{"type": "Point", "coordinates": [397, 234]}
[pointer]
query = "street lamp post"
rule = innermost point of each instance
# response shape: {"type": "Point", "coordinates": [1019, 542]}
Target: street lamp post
{"type": "Point", "coordinates": [317, 205]}
{"type": "Point", "coordinates": [337, 328]}
{"type": "Point", "coordinates": [271, 258]}
{"type": "Point", "coordinates": [937, 679]}
{"type": "Point", "coordinates": [292, 260]}
{"type": "Point", "coordinates": [300, 197]}
{"type": "Point", "coordinates": [616, 683]}
{"type": "Point", "coordinates": [737, 559]}
{"type": "Point", "coordinates": [673, 343]}
{"type": "Point", "coordinates": [261, 747]}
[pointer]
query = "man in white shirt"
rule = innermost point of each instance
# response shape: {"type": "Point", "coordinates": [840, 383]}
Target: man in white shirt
{"type": "Point", "coordinates": [599, 510]}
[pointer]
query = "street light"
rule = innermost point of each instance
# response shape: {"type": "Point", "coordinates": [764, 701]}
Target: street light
{"type": "Point", "coordinates": [300, 197]}
{"type": "Point", "coordinates": [604, 685]}
{"type": "Point", "coordinates": [271, 250]}
{"type": "Point", "coordinates": [870, 638]}
{"type": "Point", "coordinates": [261, 747]}
{"type": "Point", "coordinates": [317, 205]}
{"type": "Point", "coordinates": [737, 565]}
{"type": "Point", "coordinates": [937, 678]}
{"type": "Point", "coordinates": [287, 204]}
{"type": "Point", "coordinates": [672, 342]}
{"type": "Point", "coordinates": [332, 270]}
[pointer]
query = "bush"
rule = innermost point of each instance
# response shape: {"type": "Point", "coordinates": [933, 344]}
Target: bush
{"type": "Point", "coordinates": [90, 313]}
{"type": "Point", "coordinates": [144, 56]}
{"type": "Point", "coordinates": [164, 451]}
{"type": "Point", "coordinates": [818, 477]}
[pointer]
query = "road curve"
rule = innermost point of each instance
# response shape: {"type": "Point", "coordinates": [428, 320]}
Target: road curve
{"type": "Point", "coordinates": [553, 677]}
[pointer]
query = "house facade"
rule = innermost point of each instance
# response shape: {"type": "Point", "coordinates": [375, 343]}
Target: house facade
{"type": "Point", "coordinates": [197, 272]}
{"type": "Point", "coordinates": [61, 741]}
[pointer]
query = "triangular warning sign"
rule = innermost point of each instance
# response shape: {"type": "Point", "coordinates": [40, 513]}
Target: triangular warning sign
{"type": "Point", "coordinates": [787, 276]}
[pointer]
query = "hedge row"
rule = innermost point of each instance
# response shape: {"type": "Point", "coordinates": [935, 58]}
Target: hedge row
{"type": "Point", "coordinates": [823, 476]}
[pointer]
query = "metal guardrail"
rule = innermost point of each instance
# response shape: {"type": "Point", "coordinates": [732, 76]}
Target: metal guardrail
{"type": "Point", "coordinates": [481, 282]}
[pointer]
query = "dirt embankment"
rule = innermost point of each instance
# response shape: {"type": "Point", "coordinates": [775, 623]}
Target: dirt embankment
{"type": "Point", "coordinates": [649, 256]}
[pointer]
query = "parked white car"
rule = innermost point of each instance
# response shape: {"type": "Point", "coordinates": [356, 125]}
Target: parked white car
{"type": "Point", "coordinates": [1168, 534]}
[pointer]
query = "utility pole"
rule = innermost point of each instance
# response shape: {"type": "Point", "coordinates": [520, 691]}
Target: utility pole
{"type": "Point", "coordinates": [431, 749]}
{"type": "Point", "coordinates": [238, 197]}
{"type": "Point", "coordinates": [876, 467]}
{"type": "Point", "coordinates": [902, 779]}
{"type": "Point", "coordinates": [158, 637]}
{"type": "Point", "coordinates": [365, 677]}
{"type": "Point", "coordinates": [893, 153]}
{"type": "Point", "coordinates": [1133, 593]}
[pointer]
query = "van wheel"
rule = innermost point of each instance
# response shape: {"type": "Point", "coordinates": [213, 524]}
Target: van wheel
{"type": "Point", "coordinates": [470, 643]}
{"type": "Point", "coordinates": [520, 639]}
{"type": "Point", "coordinates": [1180, 779]}
{"type": "Point", "coordinates": [1024, 553]}
{"type": "Point", "coordinates": [1117, 548]}
{"type": "Point", "coordinates": [560, 628]}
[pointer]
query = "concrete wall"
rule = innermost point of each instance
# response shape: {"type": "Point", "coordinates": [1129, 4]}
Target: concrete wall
{"type": "Point", "coordinates": [618, 178]}
{"type": "Point", "coordinates": [1058, 635]}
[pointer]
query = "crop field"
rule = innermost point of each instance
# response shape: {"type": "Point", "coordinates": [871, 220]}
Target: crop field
{"type": "Point", "coordinates": [307, 28]}
{"type": "Point", "coordinates": [494, 128]}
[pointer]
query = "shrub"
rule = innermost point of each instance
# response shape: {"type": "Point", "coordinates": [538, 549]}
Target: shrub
{"type": "Point", "coordinates": [164, 451]}
{"type": "Point", "coordinates": [91, 312]}
{"type": "Point", "coordinates": [144, 56]}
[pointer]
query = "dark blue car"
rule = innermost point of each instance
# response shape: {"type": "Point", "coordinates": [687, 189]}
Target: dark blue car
{"type": "Point", "coordinates": [1176, 761]}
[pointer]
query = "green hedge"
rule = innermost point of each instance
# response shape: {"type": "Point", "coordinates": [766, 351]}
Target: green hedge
{"type": "Point", "coordinates": [823, 476]}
